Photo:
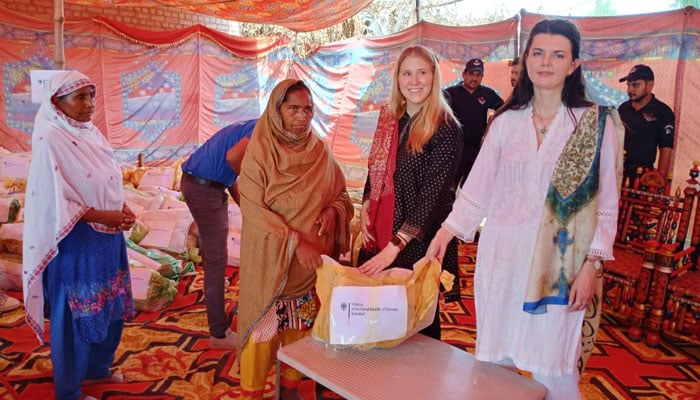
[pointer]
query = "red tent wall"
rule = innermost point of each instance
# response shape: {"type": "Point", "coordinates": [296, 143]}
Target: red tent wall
{"type": "Point", "coordinates": [164, 93]}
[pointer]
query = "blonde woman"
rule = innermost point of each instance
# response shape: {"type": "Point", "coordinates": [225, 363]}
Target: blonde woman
{"type": "Point", "coordinates": [412, 168]}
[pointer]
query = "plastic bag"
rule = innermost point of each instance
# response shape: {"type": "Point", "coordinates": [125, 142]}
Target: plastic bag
{"type": "Point", "coordinates": [151, 291]}
{"type": "Point", "coordinates": [170, 267]}
{"type": "Point", "coordinates": [421, 294]}
{"type": "Point", "coordinates": [9, 209]}
{"type": "Point", "coordinates": [138, 232]}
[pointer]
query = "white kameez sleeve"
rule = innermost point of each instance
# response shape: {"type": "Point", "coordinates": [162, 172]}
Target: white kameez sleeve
{"type": "Point", "coordinates": [471, 205]}
{"type": "Point", "coordinates": [608, 196]}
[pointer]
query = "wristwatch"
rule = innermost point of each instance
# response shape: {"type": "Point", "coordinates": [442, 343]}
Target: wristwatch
{"type": "Point", "coordinates": [597, 263]}
{"type": "Point", "coordinates": [396, 241]}
{"type": "Point", "coordinates": [597, 266]}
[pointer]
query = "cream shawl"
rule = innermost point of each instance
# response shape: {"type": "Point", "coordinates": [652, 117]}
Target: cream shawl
{"type": "Point", "coordinates": [569, 221]}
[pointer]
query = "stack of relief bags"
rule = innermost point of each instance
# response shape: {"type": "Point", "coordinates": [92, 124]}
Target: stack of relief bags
{"type": "Point", "coordinates": [14, 168]}
{"type": "Point", "coordinates": [157, 244]}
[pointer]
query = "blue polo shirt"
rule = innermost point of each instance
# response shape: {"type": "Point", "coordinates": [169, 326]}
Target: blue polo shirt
{"type": "Point", "coordinates": [209, 160]}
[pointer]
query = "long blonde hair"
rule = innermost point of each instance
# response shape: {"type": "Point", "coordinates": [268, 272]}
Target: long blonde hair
{"type": "Point", "coordinates": [435, 108]}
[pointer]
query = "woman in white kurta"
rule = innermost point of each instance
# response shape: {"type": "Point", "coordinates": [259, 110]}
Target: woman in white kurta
{"type": "Point", "coordinates": [545, 147]}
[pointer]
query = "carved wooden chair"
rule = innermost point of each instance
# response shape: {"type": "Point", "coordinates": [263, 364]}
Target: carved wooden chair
{"type": "Point", "coordinates": [635, 228]}
{"type": "Point", "coordinates": [682, 312]}
{"type": "Point", "coordinates": [650, 222]}
{"type": "Point", "coordinates": [676, 288]}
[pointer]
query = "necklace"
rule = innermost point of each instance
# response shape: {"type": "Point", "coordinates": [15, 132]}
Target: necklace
{"type": "Point", "coordinates": [541, 122]}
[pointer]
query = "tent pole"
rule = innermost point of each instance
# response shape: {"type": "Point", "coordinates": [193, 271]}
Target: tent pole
{"type": "Point", "coordinates": [518, 20]}
{"type": "Point", "coordinates": [419, 17]}
{"type": "Point", "coordinates": [59, 56]}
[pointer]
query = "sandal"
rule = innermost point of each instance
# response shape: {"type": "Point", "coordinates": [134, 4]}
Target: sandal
{"type": "Point", "coordinates": [115, 377]}
{"type": "Point", "coordinates": [118, 377]}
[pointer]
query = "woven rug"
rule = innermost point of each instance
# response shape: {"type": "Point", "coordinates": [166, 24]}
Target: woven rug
{"type": "Point", "coordinates": [165, 355]}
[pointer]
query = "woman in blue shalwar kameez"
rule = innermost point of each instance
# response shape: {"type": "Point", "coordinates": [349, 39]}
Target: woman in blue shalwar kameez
{"type": "Point", "coordinates": [74, 253]}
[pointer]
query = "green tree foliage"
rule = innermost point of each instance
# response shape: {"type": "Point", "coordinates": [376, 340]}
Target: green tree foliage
{"type": "Point", "coordinates": [685, 3]}
{"type": "Point", "coordinates": [380, 18]}
{"type": "Point", "coordinates": [603, 8]}
{"type": "Point", "coordinates": [384, 17]}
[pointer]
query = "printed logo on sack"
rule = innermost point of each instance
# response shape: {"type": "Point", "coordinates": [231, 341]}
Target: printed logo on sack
{"type": "Point", "coordinates": [366, 314]}
{"type": "Point", "coordinates": [359, 309]}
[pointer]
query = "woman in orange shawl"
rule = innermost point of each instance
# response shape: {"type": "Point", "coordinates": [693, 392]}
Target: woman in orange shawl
{"type": "Point", "coordinates": [295, 207]}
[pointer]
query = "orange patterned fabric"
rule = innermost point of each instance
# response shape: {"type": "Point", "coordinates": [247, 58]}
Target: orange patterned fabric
{"type": "Point", "coordinates": [297, 15]}
{"type": "Point", "coordinates": [165, 354]}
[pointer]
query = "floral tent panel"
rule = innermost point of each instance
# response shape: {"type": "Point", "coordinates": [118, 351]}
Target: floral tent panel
{"type": "Point", "coordinates": [162, 93]}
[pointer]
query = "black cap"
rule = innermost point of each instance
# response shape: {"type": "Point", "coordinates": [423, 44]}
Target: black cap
{"type": "Point", "coordinates": [475, 64]}
{"type": "Point", "coordinates": [639, 71]}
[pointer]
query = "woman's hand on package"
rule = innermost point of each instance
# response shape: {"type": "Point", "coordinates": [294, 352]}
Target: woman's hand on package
{"type": "Point", "coordinates": [438, 245]}
{"type": "Point", "coordinates": [308, 257]}
{"type": "Point", "coordinates": [381, 260]}
{"type": "Point", "coordinates": [364, 223]}
{"type": "Point", "coordinates": [327, 221]}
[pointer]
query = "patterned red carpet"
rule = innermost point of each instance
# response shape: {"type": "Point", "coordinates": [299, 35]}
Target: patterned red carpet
{"type": "Point", "coordinates": [166, 357]}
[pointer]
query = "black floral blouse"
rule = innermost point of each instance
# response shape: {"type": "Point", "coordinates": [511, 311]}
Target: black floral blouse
{"type": "Point", "coordinates": [424, 192]}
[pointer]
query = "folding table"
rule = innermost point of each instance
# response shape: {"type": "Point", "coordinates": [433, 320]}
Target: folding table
{"type": "Point", "coordinates": [420, 368]}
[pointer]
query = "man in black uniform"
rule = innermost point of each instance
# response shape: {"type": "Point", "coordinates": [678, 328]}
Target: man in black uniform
{"type": "Point", "coordinates": [515, 70]}
{"type": "Point", "coordinates": [649, 124]}
{"type": "Point", "coordinates": [470, 102]}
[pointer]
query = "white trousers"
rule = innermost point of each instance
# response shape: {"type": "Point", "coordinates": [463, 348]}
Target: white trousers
{"type": "Point", "coordinates": [562, 387]}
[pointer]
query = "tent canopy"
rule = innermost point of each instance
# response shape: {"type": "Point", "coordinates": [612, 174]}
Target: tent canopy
{"type": "Point", "coordinates": [297, 15]}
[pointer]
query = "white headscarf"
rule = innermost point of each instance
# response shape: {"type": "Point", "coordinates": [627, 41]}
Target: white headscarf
{"type": "Point", "coordinates": [72, 170]}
